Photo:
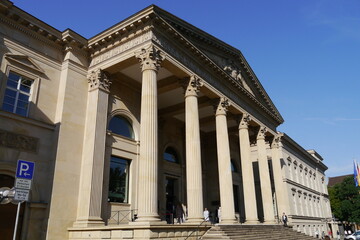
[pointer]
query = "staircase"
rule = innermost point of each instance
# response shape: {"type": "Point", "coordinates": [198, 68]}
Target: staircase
{"type": "Point", "coordinates": [250, 232]}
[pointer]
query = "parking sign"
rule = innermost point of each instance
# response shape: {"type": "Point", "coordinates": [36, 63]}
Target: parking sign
{"type": "Point", "coordinates": [25, 169]}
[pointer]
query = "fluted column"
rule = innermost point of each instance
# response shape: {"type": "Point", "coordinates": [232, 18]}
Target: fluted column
{"type": "Point", "coordinates": [281, 191]}
{"type": "Point", "coordinates": [150, 60]}
{"type": "Point", "coordinates": [265, 181]}
{"type": "Point", "coordinates": [193, 151]}
{"type": "Point", "coordinates": [224, 163]}
{"type": "Point", "coordinates": [247, 172]}
{"type": "Point", "coordinates": [92, 167]}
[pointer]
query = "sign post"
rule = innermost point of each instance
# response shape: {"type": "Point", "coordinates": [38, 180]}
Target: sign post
{"type": "Point", "coordinates": [24, 176]}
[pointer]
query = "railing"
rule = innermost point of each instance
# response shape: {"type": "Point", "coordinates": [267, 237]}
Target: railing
{"type": "Point", "coordinates": [198, 229]}
{"type": "Point", "coordinates": [122, 216]}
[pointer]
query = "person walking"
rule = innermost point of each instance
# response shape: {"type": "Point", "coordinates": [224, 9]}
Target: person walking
{"type": "Point", "coordinates": [206, 214]}
{"type": "Point", "coordinates": [338, 235]}
{"type": "Point", "coordinates": [284, 219]}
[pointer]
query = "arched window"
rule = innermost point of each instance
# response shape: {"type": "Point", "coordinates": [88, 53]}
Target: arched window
{"type": "Point", "coordinates": [233, 166]}
{"type": "Point", "coordinates": [170, 155]}
{"type": "Point", "coordinates": [121, 126]}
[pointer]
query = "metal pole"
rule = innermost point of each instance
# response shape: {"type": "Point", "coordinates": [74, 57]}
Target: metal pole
{"type": "Point", "coordinates": [17, 220]}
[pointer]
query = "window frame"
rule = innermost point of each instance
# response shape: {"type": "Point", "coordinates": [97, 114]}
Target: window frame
{"type": "Point", "coordinates": [129, 121]}
{"type": "Point", "coordinates": [127, 181]}
{"type": "Point", "coordinates": [33, 89]}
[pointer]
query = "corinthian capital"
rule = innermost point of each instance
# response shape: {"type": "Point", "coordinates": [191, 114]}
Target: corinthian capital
{"type": "Point", "coordinates": [277, 140]}
{"type": "Point", "coordinates": [261, 133]}
{"type": "Point", "coordinates": [150, 58]}
{"type": "Point", "coordinates": [98, 79]}
{"type": "Point", "coordinates": [244, 122]}
{"type": "Point", "coordinates": [221, 106]}
{"type": "Point", "coordinates": [192, 85]}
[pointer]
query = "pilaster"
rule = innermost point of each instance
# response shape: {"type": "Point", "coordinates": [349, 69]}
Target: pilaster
{"type": "Point", "coordinates": [92, 167]}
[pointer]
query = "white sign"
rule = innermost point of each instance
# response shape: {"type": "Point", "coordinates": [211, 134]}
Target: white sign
{"type": "Point", "coordinates": [21, 195]}
{"type": "Point", "coordinates": [23, 183]}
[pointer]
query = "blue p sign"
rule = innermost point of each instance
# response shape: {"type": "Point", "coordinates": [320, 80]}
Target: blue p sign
{"type": "Point", "coordinates": [25, 169]}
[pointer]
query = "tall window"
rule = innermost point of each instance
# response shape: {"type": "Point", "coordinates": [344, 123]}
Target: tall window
{"type": "Point", "coordinates": [170, 155]}
{"type": "Point", "coordinates": [17, 94]}
{"type": "Point", "coordinates": [119, 180]}
{"type": "Point", "coordinates": [121, 126]}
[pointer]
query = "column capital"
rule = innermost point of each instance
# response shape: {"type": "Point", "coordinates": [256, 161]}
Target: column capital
{"type": "Point", "coordinates": [192, 85]}
{"type": "Point", "coordinates": [277, 141]}
{"type": "Point", "coordinates": [221, 106]}
{"type": "Point", "coordinates": [261, 133]}
{"type": "Point", "coordinates": [99, 79]}
{"type": "Point", "coordinates": [244, 122]}
{"type": "Point", "coordinates": [150, 58]}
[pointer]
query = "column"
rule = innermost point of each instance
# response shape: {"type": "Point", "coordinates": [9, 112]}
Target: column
{"type": "Point", "coordinates": [224, 163]}
{"type": "Point", "coordinates": [247, 172]}
{"type": "Point", "coordinates": [150, 60]}
{"type": "Point", "coordinates": [193, 151]}
{"type": "Point", "coordinates": [92, 167]}
{"type": "Point", "coordinates": [265, 181]}
{"type": "Point", "coordinates": [278, 162]}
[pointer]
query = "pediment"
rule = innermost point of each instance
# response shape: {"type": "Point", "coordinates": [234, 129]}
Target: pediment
{"type": "Point", "coordinates": [226, 57]}
{"type": "Point", "coordinates": [24, 61]}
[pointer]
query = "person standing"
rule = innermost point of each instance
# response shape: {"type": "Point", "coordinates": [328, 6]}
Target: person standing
{"type": "Point", "coordinates": [206, 215]}
{"type": "Point", "coordinates": [284, 219]}
{"type": "Point", "coordinates": [219, 214]}
{"type": "Point", "coordinates": [179, 213]}
{"type": "Point", "coordinates": [317, 233]}
{"type": "Point", "coordinates": [338, 234]}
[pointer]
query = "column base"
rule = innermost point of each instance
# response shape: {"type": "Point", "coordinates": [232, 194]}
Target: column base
{"type": "Point", "coordinates": [148, 218]}
{"type": "Point", "coordinates": [228, 221]}
{"type": "Point", "coordinates": [252, 222]}
{"type": "Point", "coordinates": [89, 222]}
{"type": "Point", "coordinates": [195, 220]}
{"type": "Point", "coordinates": [269, 222]}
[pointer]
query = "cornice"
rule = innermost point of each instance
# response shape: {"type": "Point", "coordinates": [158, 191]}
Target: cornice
{"type": "Point", "coordinates": [37, 29]}
{"type": "Point", "coordinates": [291, 143]}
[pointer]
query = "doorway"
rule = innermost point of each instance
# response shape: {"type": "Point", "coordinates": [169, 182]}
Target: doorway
{"type": "Point", "coordinates": [172, 197]}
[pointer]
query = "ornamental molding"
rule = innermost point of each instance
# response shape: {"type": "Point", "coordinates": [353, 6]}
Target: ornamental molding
{"type": "Point", "coordinates": [150, 58]}
{"type": "Point", "coordinates": [122, 46]}
{"type": "Point", "coordinates": [99, 79]}
{"type": "Point", "coordinates": [18, 141]}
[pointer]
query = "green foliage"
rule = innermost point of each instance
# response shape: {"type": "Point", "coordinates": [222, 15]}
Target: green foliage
{"type": "Point", "coordinates": [345, 201]}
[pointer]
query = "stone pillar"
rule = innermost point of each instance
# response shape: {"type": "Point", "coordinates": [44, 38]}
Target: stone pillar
{"type": "Point", "coordinates": [265, 181]}
{"type": "Point", "coordinates": [278, 162]}
{"type": "Point", "coordinates": [247, 172]}
{"type": "Point", "coordinates": [193, 152]}
{"type": "Point", "coordinates": [150, 60]}
{"type": "Point", "coordinates": [224, 163]}
{"type": "Point", "coordinates": [92, 167]}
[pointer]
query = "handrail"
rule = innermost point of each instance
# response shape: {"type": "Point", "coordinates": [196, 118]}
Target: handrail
{"type": "Point", "coordinates": [197, 228]}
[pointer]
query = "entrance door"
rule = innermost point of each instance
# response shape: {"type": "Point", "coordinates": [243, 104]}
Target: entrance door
{"type": "Point", "coordinates": [172, 190]}
{"type": "Point", "coordinates": [8, 213]}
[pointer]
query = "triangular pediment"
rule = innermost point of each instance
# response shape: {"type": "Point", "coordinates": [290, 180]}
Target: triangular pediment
{"type": "Point", "coordinates": [226, 57]}
{"type": "Point", "coordinates": [24, 61]}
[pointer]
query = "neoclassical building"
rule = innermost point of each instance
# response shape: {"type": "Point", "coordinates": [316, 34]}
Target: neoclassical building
{"type": "Point", "coordinates": [147, 115]}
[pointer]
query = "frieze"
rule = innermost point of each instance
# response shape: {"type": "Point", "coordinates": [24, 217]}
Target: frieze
{"type": "Point", "coordinates": [18, 141]}
{"type": "Point", "coordinates": [121, 48]}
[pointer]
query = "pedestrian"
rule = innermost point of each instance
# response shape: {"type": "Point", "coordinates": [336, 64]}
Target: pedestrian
{"type": "Point", "coordinates": [317, 233]}
{"type": "Point", "coordinates": [179, 213]}
{"type": "Point", "coordinates": [338, 234]}
{"type": "Point", "coordinates": [219, 214]}
{"type": "Point", "coordinates": [206, 215]}
{"type": "Point", "coordinates": [322, 235]}
{"type": "Point", "coordinates": [184, 212]}
{"type": "Point", "coordinates": [284, 219]}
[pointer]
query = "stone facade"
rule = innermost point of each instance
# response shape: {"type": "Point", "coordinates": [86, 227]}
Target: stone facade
{"type": "Point", "coordinates": [127, 125]}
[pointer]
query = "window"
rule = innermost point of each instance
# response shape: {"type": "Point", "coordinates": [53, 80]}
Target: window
{"type": "Point", "coordinates": [121, 126]}
{"type": "Point", "coordinates": [17, 94]}
{"type": "Point", "coordinates": [170, 155]}
{"type": "Point", "coordinates": [118, 180]}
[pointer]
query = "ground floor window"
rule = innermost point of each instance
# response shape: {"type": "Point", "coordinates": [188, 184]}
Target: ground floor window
{"type": "Point", "coordinates": [119, 180]}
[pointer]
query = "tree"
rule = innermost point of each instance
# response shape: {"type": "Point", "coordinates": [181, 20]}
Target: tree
{"type": "Point", "coordinates": [345, 200]}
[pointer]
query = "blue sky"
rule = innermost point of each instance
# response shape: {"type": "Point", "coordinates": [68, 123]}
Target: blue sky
{"type": "Point", "coordinates": [305, 53]}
